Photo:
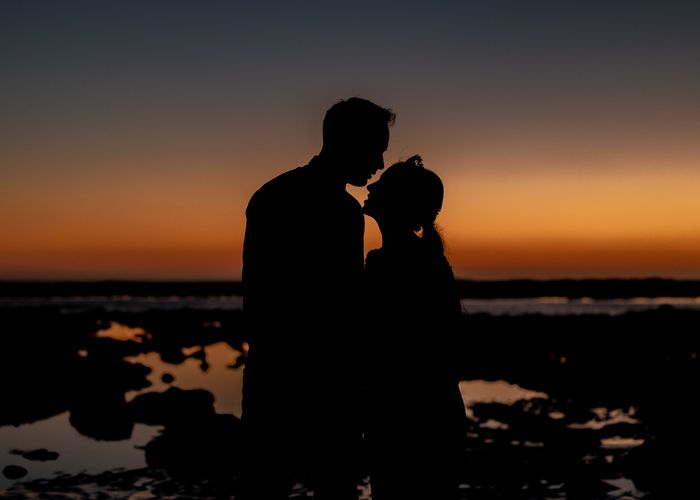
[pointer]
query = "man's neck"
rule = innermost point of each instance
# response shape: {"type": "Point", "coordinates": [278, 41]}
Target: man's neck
{"type": "Point", "coordinates": [327, 169]}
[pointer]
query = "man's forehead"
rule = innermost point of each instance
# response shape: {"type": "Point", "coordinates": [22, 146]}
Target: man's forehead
{"type": "Point", "coordinates": [381, 137]}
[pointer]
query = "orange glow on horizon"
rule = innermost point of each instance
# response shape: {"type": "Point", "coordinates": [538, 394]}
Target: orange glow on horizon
{"type": "Point", "coordinates": [129, 264]}
{"type": "Point", "coordinates": [526, 222]}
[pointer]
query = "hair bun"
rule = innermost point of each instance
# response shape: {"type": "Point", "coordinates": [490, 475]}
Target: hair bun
{"type": "Point", "coordinates": [415, 160]}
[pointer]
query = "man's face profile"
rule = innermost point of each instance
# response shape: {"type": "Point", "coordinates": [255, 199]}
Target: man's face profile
{"type": "Point", "coordinates": [366, 156]}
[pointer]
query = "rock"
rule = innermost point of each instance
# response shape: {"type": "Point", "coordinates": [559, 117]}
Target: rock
{"type": "Point", "coordinates": [172, 407]}
{"type": "Point", "coordinates": [14, 472]}
{"type": "Point", "coordinates": [41, 455]}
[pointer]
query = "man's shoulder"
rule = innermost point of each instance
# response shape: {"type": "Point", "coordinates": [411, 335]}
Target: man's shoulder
{"type": "Point", "coordinates": [284, 182]}
{"type": "Point", "coordinates": [278, 188]}
{"type": "Point", "coordinates": [301, 185]}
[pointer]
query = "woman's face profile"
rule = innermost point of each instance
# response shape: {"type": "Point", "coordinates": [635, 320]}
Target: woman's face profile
{"type": "Point", "coordinates": [386, 198]}
{"type": "Point", "coordinates": [405, 195]}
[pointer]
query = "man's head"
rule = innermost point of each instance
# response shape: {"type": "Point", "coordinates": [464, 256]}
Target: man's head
{"type": "Point", "coordinates": [355, 137]}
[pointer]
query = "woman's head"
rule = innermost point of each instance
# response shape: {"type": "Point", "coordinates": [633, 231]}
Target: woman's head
{"type": "Point", "coordinates": [406, 196]}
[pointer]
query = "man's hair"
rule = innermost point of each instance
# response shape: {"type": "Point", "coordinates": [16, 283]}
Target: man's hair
{"type": "Point", "coordinates": [350, 117]}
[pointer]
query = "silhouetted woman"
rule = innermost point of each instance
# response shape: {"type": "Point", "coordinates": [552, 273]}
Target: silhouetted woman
{"type": "Point", "coordinates": [415, 427]}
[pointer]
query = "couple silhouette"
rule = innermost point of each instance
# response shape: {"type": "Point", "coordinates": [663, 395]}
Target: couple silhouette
{"type": "Point", "coordinates": [349, 369]}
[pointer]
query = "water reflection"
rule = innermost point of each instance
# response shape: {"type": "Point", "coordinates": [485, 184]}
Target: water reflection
{"type": "Point", "coordinates": [89, 439]}
{"type": "Point", "coordinates": [77, 453]}
{"type": "Point", "coordinates": [117, 331]}
{"type": "Point", "coordinates": [220, 378]}
{"type": "Point", "coordinates": [499, 391]}
{"type": "Point", "coordinates": [557, 405]}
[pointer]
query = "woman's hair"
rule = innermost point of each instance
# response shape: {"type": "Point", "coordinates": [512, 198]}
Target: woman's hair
{"type": "Point", "coordinates": [426, 192]}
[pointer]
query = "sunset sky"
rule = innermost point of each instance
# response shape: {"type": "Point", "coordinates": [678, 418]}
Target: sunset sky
{"type": "Point", "coordinates": [132, 134]}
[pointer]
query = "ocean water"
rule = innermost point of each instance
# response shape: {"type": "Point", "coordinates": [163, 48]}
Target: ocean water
{"type": "Point", "coordinates": [569, 306]}
{"type": "Point", "coordinates": [497, 307]}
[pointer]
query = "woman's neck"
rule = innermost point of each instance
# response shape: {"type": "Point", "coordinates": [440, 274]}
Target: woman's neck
{"type": "Point", "coordinates": [395, 237]}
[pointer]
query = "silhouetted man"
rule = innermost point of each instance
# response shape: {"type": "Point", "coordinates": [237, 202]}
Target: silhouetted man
{"type": "Point", "coordinates": [303, 260]}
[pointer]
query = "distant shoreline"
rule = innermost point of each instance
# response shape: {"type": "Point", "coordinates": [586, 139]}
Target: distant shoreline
{"type": "Point", "coordinates": [572, 288]}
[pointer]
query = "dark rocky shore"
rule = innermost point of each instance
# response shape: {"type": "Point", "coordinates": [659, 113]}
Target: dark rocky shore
{"type": "Point", "coordinates": [644, 366]}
